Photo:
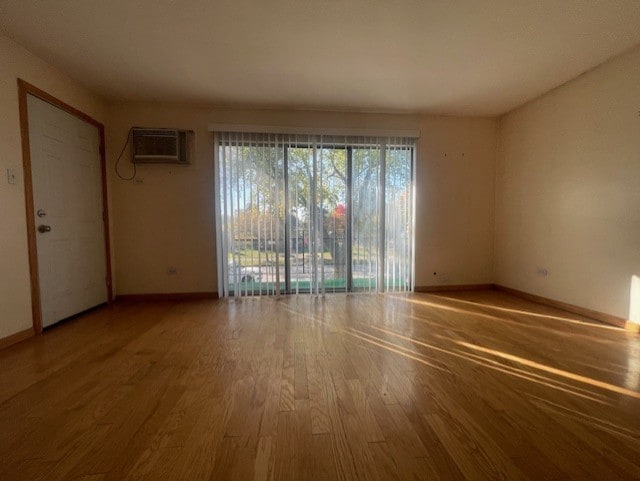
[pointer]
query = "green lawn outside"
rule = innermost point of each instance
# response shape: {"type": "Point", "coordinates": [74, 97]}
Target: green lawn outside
{"type": "Point", "coordinates": [267, 287]}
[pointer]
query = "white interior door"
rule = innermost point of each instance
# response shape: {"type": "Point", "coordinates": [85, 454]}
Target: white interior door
{"type": "Point", "coordinates": [67, 195]}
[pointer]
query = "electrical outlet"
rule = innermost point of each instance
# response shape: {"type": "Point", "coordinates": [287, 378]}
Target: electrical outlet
{"type": "Point", "coordinates": [542, 271]}
{"type": "Point", "coordinates": [171, 271]}
{"type": "Point", "coordinates": [440, 277]}
{"type": "Point", "coordinates": [11, 176]}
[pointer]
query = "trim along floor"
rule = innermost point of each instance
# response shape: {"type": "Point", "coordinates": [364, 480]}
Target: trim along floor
{"type": "Point", "coordinates": [476, 385]}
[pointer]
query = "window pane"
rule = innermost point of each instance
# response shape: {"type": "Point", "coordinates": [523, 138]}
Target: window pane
{"type": "Point", "coordinates": [300, 171]}
{"type": "Point", "coordinates": [254, 219]}
{"type": "Point", "coordinates": [398, 235]}
{"type": "Point", "coordinates": [299, 215]}
{"type": "Point", "coordinates": [366, 218]}
{"type": "Point", "coordinates": [332, 191]}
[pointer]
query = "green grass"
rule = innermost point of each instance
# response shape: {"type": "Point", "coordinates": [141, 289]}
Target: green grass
{"type": "Point", "coordinates": [266, 287]}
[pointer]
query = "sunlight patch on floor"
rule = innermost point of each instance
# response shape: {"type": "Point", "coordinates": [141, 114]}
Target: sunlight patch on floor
{"type": "Point", "coordinates": [534, 314]}
{"type": "Point", "coordinates": [501, 367]}
{"type": "Point", "coordinates": [552, 370]}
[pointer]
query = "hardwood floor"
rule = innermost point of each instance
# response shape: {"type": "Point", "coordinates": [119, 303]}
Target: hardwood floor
{"type": "Point", "coordinates": [461, 386]}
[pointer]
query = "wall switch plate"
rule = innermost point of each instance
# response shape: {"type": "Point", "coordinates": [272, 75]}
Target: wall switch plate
{"type": "Point", "coordinates": [11, 176]}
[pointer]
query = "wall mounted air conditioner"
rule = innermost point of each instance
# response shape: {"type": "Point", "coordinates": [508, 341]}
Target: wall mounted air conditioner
{"type": "Point", "coordinates": [161, 146]}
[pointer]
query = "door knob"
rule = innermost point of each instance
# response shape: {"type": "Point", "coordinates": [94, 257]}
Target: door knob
{"type": "Point", "coordinates": [44, 228]}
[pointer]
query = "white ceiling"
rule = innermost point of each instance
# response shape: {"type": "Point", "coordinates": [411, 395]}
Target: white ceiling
{"type": "Point", "coordinates": [469, 57]}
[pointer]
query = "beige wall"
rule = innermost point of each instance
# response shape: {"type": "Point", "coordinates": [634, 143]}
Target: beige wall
{"type": "Point", "coordinates": [168, 219]}
{"type": "Point", "coordinates": [562, 190]}
{"type": "Point", "coordinates": [568, 190]}
{"type": "Point", "coordinates": [16, 62]}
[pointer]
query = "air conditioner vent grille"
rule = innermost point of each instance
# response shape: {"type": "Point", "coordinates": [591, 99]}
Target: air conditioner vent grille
{"type": "Point", "coordinates": [160, 146]}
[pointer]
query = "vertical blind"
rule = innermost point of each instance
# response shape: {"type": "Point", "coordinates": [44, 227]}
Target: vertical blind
{"type": "Point", "coordinates": [314, 213]}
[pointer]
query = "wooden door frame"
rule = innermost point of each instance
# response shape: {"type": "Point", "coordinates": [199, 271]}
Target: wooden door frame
{"type": "Point", "coordinates": [25, 89]}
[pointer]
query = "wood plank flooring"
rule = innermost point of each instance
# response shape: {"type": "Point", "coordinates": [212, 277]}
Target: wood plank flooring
{"type": "Point", "coordinates": [461, 386]}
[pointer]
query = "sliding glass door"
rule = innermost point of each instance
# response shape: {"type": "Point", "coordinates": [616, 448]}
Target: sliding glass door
{"type": "Point", "coordinates": [317, 192]}
{"type": "Point", "coordinates": [398, 236]}
{"type": "Point", "coordinates": [251, 204]}
{"type": "Point", "coordinates": [365, 206]}
{"type": "Point", "coordinates": [315, 214]}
